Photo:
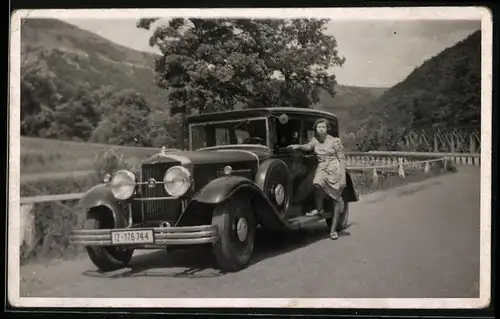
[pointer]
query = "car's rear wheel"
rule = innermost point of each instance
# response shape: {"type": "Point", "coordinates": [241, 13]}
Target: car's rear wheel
{"type": "Point", "coordinates": [106, 258]}
{"type": "Point", "coordinates": [236, 228]}
{"type": "Point", "coordinates": [343, 219]}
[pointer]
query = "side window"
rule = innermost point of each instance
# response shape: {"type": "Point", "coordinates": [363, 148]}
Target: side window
{"type": "Point", "coordinates": [310, 134]}
{"type": "Point", "coordinates": [333, 128]}
{"type": "Point", "coordinates": [241, 135]}
{"type": "Point", "coordinates": [288, 133]}
{"type": "Point", "coordinates": [221, 136]}
{"type": "Point", "coordinates": [199, 137]}
{"type": "Point", "coordinates": [308, 130]}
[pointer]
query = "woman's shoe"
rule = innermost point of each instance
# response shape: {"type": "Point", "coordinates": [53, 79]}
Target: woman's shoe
{"type": "Point", "coordinates": [334, 236]}
{"type": "Point", "coordinates": [314, 212]}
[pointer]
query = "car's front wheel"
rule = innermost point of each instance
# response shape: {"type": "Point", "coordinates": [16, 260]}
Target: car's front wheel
{"type": "Point", "coordinates": [106, 258]}
{"type": "Point", "coordinates": [236, 228]}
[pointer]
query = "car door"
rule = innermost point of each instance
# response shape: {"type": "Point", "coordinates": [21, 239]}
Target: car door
{"type": "Point", "coordinates": [285, 135]}
{"type": "Point", "coordinates": [303, 183]}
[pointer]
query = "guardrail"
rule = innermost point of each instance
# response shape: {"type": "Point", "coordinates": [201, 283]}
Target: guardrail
{"type": "Point", "coordinates": [356, 161]}
{"type": "Point", "coordinates": [390, 156]}
{"type": "Point", "coordinates": [375, 162]}
{"type": "Point", "coordinates": [50, 198]}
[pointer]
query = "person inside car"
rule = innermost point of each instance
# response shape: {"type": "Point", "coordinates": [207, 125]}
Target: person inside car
{"type": "Point", "coordinates": [330, 177]}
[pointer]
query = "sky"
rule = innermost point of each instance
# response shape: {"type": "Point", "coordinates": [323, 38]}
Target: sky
{"type": "Point", "coordinates": [379, 53]}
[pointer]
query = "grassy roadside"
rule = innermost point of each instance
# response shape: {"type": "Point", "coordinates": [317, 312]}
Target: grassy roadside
{"type": "Point", "coordinates": [40, 155]}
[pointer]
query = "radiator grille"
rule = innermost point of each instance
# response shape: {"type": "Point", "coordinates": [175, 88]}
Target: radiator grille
{"type": "Point", "coordinates": [163, 209]}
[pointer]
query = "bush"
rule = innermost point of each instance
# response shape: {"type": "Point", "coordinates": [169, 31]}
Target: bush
{"type": "Point", "coordinates": [54, 220]}
{"type": "Point", "coordinates": [108, 162]}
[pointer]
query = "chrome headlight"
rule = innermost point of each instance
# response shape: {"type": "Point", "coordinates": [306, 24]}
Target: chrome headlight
{"type": "Point", "coordinates": [123, 184]}
{"type": "Point", "coordinates": [177, 181]}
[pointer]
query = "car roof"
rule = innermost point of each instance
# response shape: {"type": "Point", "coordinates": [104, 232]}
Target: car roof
{"type": "Point", "coordinates": [256, 112]}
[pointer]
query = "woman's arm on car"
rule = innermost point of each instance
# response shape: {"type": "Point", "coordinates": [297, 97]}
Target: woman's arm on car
{"type": "Point", "coordinates": [304, 147]}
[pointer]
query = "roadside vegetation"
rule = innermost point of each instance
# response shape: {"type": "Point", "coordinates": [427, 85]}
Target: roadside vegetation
{"type": "Point", "coordinates": [45, 156]}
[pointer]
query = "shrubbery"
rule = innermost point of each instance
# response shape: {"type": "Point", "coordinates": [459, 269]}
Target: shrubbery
{"type": "Point", "coordinates": [55, 220]}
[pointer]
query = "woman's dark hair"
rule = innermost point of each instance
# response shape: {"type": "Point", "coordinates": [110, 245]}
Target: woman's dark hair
{"type": "Point", "coordinates": [319, 121]}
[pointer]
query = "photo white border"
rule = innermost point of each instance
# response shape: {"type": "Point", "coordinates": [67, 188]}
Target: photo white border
{"type": "Point", "coordinates": [351, 14]}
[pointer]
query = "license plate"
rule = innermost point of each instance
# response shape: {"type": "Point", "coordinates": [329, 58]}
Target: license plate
{"type": "Point", "coordinates": [132, 237]}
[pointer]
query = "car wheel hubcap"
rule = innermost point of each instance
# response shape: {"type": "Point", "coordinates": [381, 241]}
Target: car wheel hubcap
{"type": "Point", "coordinates": [242, 229]}
{"type": "Point", "coordinates": [279, 194]}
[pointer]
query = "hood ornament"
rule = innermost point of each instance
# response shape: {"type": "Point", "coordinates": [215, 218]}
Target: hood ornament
{"type": "Point", "coordinates": [151, 182]}
{"type": "Point", "coordinates": [163, 150]}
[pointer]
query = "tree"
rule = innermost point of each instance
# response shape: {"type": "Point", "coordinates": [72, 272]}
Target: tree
{"type": "Point", "coordinates": [165, 130]}
{"type": "Point", "coordinates": [76, 118]}
{"type": "Point", "coordinates": [39, 96]}
{"type": "Point", "coordinates": [126, 122]}
{"type": "Point", "coordinates": [214, 64]}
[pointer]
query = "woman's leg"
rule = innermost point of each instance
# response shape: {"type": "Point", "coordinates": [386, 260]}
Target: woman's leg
{"type": "Point", "coordinates": [337, 210]}
{"type": "Point", "coordinates": [319, 199]}
{"type": "Point", "coordinates": [335, 220]}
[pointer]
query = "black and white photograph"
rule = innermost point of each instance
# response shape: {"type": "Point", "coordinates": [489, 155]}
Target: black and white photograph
{"type": "Point", "coordinates": [298, 158]}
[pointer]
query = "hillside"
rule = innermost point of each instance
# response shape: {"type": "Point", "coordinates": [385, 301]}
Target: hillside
{"type": "Point", "coordinates": [348, 97]}
{"type": "Point", "coordinates": [78, 57]}
{"type": "Point", "coordinates": [444, 92]}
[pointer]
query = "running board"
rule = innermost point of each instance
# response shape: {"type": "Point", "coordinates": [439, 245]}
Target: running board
{"type": "Point", "coordinates": [302, 221]}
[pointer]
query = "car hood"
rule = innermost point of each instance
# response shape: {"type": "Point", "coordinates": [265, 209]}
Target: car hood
{"type": "Point", "coordinates": [211, 156]}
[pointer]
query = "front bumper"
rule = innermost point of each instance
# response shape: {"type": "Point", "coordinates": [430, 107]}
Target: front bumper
{"type": "Point", "coordinates": [160, 236]}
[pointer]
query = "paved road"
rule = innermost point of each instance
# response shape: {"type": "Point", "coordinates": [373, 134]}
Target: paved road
{"type": "Point", "coordinates": [419, 240]}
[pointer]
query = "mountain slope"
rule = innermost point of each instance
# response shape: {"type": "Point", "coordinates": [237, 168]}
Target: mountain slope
{"type": "Point", "coordinates": [347, 98]}
{"type": "Point", "coordinates": [444, 92]}
{"type": "Point", "coordinates": [79, 57]}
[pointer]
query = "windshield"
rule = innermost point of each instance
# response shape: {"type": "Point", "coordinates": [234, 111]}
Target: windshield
{"type": "Point", "coordinates": [241, 131]}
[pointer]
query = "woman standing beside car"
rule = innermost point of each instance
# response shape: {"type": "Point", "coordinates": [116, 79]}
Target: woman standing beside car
{"type": "Point", "coordinates": [330, 175]}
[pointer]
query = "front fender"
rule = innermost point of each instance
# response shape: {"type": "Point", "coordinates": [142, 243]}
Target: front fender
{"type": "Point", "coordinates": [222, 188]}
{"type": "Point", "coordinates": [101, 196]}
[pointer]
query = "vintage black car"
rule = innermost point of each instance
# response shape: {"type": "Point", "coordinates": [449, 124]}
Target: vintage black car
{"type": "Point", "coordinates": [237, 175]}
